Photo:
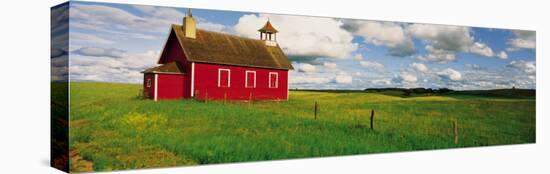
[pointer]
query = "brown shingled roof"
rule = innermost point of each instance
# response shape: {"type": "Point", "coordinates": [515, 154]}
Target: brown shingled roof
{"type": "Point", "coordinates": [169, 68]}
{"type": "Point", "coordinates": [220, 48]}
{"type": "Point", "coordinates": [268, 28]}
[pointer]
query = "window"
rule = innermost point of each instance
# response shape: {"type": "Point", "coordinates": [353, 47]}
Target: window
{"type": "Point", "coordinates": [250, 79]}
{"type": "Point", "coordinates": [224, 78]}
{"type": "Point", "coordinates": [148, 82]}
{"type": "Point", "coordinates": [273, 80]}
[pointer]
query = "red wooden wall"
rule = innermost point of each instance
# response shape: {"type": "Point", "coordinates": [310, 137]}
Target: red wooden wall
{"type": "Point", "coordinates": [172, 86]}
{"type": "Point", "coordinates": [206, 84]}
{"type": "Point", "coordinates": [149, 92]}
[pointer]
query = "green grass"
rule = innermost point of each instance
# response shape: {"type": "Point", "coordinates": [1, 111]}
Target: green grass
{"type": "Point", "coordinates": [114, 129]}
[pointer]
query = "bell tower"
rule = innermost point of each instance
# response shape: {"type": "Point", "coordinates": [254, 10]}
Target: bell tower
{"type": "Point", "coordinates": [189, 25]}
{"type": "Point", "coordinates": [268, 34]}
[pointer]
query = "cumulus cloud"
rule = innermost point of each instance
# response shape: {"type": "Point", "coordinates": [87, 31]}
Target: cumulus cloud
{"type": "Point", "coordinates": [437, 55]}
{"type": "Point", "coordinates": [405, 77]}
{"type": "Point", "coordinates": [528, 67]}
{"type": "Point", "coordinates": [450, 74]}
{"type": "Point", "coordinates": [502, 55]}
{"type": "Point", "coordinates": [387, 34]}
{"type": "Point", "coordinates": [523, 40]}
{"type": "Point", "coordinates": [481, 49]}
{"type": "Point", "coordinates": [100, 52]}
{"type": "Point", "coordinates": [451, 38]}
{"type": "Point", "coordinates": [306, 67]}
{"type": "Point", "coordinates": [343, 79]}
{"type": "Point", "coordinates": [301, 35]}
{"type": "Point", "coordinates": [372, 65]}
{"type": "Point", "coordinates": [419, 67]}
{"type": "Point", "coordinates": [443, 42]}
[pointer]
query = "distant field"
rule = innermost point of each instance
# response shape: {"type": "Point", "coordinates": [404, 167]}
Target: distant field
{"type": "Point", "coordinates": [112, 128]}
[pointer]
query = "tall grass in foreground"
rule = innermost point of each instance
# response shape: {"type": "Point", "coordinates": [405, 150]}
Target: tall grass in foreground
{"type": "Point", "coordinates": [114, 129]}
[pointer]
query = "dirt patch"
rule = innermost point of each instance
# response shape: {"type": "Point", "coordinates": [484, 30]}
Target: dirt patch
{"type": "Point", "coordinates": [78, 164]}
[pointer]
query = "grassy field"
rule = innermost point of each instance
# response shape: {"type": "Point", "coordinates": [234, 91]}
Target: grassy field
{"type": "Point", "coordinates": [112, 128]}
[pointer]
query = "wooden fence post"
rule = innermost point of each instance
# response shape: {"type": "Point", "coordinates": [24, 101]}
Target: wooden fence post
{"type": "Point", "coordinates": [372, 119]}
{"type": "Point", "coordinates": [315, 110]}
{"type": "Point", "coordinates": [455, 127]}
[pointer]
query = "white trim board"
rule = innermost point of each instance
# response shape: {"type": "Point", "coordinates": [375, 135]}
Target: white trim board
{"type": "Point", "coordinates": [276, 80]}
{"type": "Point", "coordinates": [228, 77]}
{"type": "Point", "coordinates": [246, 79]}
{"type": "Point", "coordinates": [192, 79]}
{"type": "Point", "coordinates": [156, 86]}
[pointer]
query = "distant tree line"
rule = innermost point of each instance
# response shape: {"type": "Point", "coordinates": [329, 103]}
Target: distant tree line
{"type": "Point", "coordinates": [410, 91]}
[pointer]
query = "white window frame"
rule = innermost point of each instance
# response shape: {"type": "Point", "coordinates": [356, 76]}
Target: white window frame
{"type": "Point", "coordinates": [276, 80]}
{"type": "Point", "coordinates": [246, 79]}
{"type": "Point", "coordinates": [148, 83]}
{"type": "Point", "coordinates": [228, 77]}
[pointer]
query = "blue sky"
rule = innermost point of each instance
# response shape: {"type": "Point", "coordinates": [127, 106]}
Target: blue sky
{"type": "Point", "coordinates": [114, 42]}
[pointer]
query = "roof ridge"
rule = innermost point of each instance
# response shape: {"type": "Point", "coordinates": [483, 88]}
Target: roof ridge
{"type": "Point", "coordinates": [227, 34]}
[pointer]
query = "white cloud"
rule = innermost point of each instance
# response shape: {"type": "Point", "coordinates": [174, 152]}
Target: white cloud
{"type": "Point", "coordinates": [419, 67]}
{"type": "Point", "coordinates": [372, 65]}
{"type": "Point", "coordinates": [528, 67]}
{"type": "Point", "coordinates": [437, 55]}
{"type": "Point", "coordinates": [405, 77]}
{"type": "Point", "coordinates": [89, 38]}
{"type": "Point", "coordinates": [306, 67]}
{"type": "Point", "coordinates": [343, 79]}
{"type": "Point", "coordinates": [444, 42]}
{"type": "Point", "coordinates": [163, 13]}
{"type": "Point", "coordinates": [481, 49]}
{"type": "Point", "coordinates": [451, 38]}
{"type": "Point", "coordinates": [484, 78]}
{"type": "Point", "coordinates": [100, 52]}
{"type": "Point", "coordinates": [125, 69]}
{"type": "Point", "coordinates": [301, 35]}
{"type": "Point", "coordinates": [502, 55]}
{"type": "Point", "coordinates": [304, 79]}
{"type": "Point", "coordinates": [212, 26]}
{"type": "Point", "coordinates": [523, 40]}
{"type": "Point", "coordinates": [388, 34]}
{"type": "Point", "coordinates": [450, 74]}
{"type": "Point", "coordinates": [330, 65]}
{"type": "Point", "coordinates": [382, 82]}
